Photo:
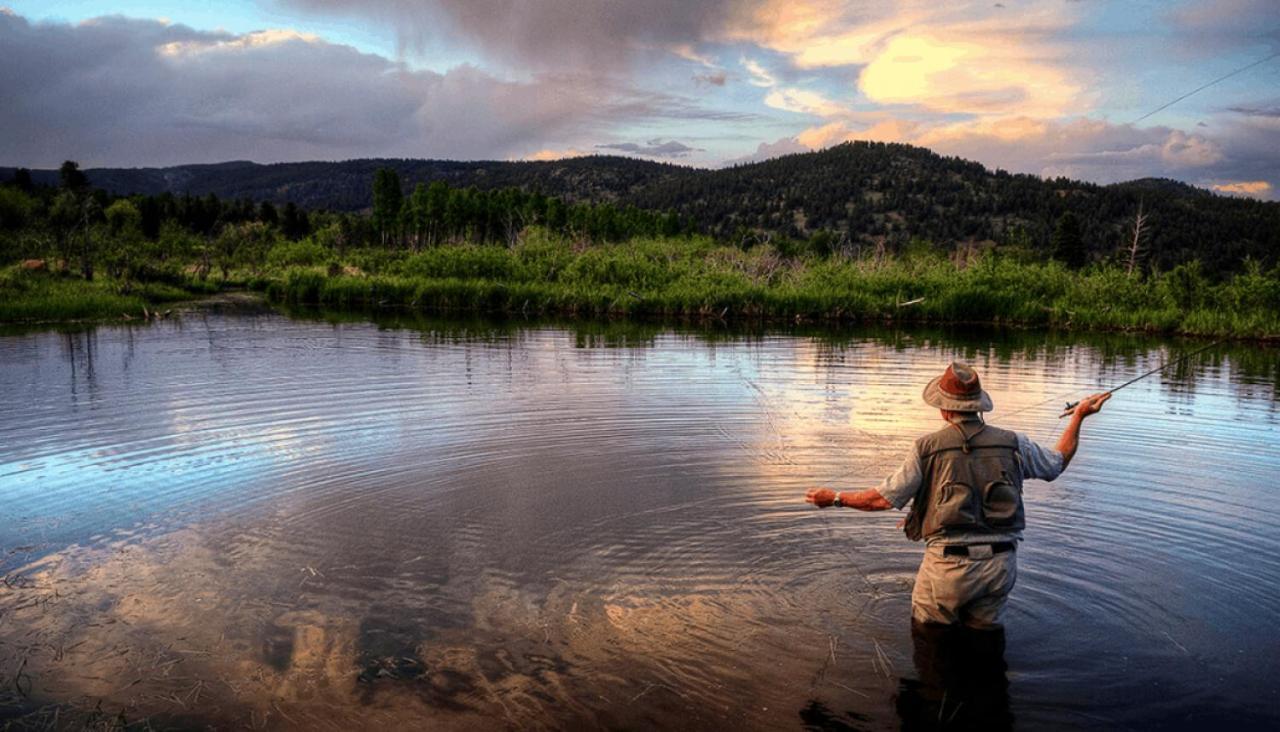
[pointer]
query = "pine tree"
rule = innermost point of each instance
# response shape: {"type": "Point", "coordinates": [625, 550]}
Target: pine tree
{"type": "Point", "coordinates": [1068, 243]}
{"type": "Point", "coordinates": [387, 200]}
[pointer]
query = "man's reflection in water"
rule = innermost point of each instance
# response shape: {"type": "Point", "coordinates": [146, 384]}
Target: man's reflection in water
{"type": "Point", "coordinates": [962, 682]}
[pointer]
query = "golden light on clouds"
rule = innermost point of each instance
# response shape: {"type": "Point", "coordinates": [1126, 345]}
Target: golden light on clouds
{"type": "Point", "coordinates": [834, 133]}
{"type": "Point", "coordinates": [783, 24]}
{"type": "Point", "coordinates": [1007, 129]}
{"type": "Point", "coordinates": [893, 129]}
{"type": "Point", "coordinates": [1244, 188]}
{"type": "Point", "coordinates": [804, 101]}
{"type": "Point", "coordinates": [958, 76]}
{"type": "Point", "coordinates": [256, 39]}
{"type": "Point", "coordinates": [552, 154]}
{"type": "Point", "coordinates": [928, 55]}
{"type": "Point", "coordinates": [1001, 83]}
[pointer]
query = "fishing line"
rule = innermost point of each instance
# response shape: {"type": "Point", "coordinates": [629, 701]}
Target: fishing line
{"type": "Point", "coordinates": [780, 457]}
{"type": "Point", "coordinates": [1070, 407]}
{"type": "Point", "coordinates": [1201, 88]}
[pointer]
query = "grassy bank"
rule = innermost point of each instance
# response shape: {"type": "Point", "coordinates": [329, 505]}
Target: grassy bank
{"type": "Point", "coordinates": [693, 278]}
{"type": "Point", "coordinates": [697, 278]}
{"type": "Point", "coordinates": [27, 297]}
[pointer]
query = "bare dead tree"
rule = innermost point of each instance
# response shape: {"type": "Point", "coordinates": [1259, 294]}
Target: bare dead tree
{"type": "Point", "coordinates": [844, 248]}
{"type": "Point", "coordinates": [1139, 222]}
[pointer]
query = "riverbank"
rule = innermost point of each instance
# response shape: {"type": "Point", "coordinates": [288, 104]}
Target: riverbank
{"type": "Point", "coordinates": [699, 279]}
{"type": "Point", "coordinates": [45, 297]}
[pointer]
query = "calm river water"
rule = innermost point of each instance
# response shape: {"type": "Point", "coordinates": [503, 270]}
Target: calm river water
{"type": "Point", "coordinates": [244, 519]}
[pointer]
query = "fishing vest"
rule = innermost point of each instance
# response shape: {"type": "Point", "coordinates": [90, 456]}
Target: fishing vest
{"type": "Point", "coordinates": [972, 483]}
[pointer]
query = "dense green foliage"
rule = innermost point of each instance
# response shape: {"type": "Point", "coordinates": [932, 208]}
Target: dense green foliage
{"type": "Point", "coordinates": [161, 237]}
{"type": "Point", "coordinates": [882, 196]}
{"type": "Point", "coordinates": [855, 198]}
{"type": "Point", "coordinates": [40, 296]}
{"type": "Point", "coordinates": [72, 252]}
{"type": "Point", "coordinates": [698, 278]}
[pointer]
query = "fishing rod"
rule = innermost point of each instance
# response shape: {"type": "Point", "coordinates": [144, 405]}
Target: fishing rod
{"type": "Point", "coordinates": [1071, 406]}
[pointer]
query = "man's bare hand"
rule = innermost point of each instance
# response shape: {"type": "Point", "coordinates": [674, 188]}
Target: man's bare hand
{"type": "Point", "coordinates": [820, 497]}
{"type": "Point", "coordinates": [1091, 404]}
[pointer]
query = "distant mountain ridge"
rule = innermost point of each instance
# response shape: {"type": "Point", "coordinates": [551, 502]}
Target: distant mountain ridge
{"type": "Point", "coordinates": [348, 185]}
{"type": "Point", "coordinates": [864, 194]}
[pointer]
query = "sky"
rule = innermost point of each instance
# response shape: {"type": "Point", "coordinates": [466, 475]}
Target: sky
{"type": "Point", "coordinates": [1048, 87]}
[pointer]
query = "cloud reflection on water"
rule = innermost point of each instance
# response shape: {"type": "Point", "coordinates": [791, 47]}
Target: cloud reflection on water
{"type": "Point", "coordinates": [548, 527]}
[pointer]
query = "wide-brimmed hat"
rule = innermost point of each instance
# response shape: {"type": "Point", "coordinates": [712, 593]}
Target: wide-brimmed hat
{"type": "Point", "coordinates": [958, 390]}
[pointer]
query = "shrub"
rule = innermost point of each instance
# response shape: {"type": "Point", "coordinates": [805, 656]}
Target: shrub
{"type": "Point", "coordinates": [302, 253]}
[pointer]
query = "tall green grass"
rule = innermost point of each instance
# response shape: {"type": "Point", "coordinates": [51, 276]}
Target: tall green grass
{"type": "Point", "coordinates": [46, 297]}
{"type": "Point", "coordinates": [697, 278]}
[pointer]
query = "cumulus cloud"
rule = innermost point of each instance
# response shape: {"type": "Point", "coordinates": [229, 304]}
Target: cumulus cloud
{"type": "Point", "coordinates": [768, 150]}
{"type": "Point", "coordinates": [115, 91]}
{"type": "Point", "coordinates": [656, 148]}
{"type": "Point", "coordinates": [957, 76]}
{"type": "Point", "coordinates": [1020, 88]}
{"type": "Point", "coordinates": [948, 58]}
{"type": "Point", "coordinates": [1010, 86]}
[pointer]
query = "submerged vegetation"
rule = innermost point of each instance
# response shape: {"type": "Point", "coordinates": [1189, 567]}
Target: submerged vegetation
{"type": "Point", "coordinates": [75, 254]}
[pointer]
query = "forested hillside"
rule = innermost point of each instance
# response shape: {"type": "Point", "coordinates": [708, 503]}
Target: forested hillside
{"type": "Point", "coordinates": [853, 197]}
{"type": "Point", "coordinates": [872, 193]}
{"type": "Point", "coordinates": [348, 186]}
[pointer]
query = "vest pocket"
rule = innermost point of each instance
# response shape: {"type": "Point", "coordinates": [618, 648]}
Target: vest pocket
{"type": "Point", "coordinates": [1000, 502]}
{"type": "Point", "coordinates": [954, 508]}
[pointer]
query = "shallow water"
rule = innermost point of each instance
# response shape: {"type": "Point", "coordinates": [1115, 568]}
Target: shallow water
{"type": "Point", "coordinates": [246, 519]}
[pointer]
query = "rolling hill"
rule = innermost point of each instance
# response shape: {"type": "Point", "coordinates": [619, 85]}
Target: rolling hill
{"type": "Point", "coordinates": [865, 194]}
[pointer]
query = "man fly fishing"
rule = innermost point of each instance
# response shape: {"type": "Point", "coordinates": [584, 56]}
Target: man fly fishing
{"type": "Point", "coordinates": [964, 484]}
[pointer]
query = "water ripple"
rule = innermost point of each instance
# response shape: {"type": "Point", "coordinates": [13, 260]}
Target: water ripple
{"type": "Point", "coordinates": [311, 524]}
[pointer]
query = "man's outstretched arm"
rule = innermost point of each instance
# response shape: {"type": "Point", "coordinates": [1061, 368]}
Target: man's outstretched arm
{"type": "Point", "coordinates": [868, 500]}
{"type": "Point", "coordinates": [895, 492]}
{"type": "Point", "coordinates": [1070, 440]}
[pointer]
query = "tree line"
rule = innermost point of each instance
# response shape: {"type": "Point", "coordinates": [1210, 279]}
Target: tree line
{"type": "Point", "coordinates": [435, 213]}
{"type": "Point", "coordinates": [870, 195]}
{"type": "Point", "coordinates": [853, 199]}
{"type": "Point", "coordinates": [77, 226]}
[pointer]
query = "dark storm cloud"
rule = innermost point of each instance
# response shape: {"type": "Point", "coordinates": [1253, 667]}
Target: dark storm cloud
{"type": "Point", "coordinates": [594, 34]}
{"type": "Point", "coordinates": [115, 91]}
{"type": "Point", "coordinates": [653, 148]}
